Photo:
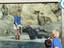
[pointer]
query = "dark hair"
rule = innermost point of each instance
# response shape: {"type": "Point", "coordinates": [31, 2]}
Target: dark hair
{"type": "Point", "coordinates": [47, 43]}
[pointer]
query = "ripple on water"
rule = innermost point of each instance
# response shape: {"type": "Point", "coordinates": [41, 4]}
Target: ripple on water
{"type": "Point", "coordinates": [15, 44]}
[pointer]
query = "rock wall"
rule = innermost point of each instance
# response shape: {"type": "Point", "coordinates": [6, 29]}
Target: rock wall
{"type": "Point", "coordinates": [47, 15]}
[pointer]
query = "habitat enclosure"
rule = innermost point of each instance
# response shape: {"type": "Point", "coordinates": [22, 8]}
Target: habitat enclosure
{"type": "Point", "coordinates": [42, 17]}
{"type": "Point", "coordinates": [46, 16]}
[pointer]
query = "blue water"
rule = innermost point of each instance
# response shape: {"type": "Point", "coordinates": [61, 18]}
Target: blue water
{"type": "Point", "coordinates": [16, 44]}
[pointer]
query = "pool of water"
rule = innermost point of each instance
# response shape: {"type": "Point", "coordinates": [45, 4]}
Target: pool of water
{"type": "Point", "coordinates": [16, 44]}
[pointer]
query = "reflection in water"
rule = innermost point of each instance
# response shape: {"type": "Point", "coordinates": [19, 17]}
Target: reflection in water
{"type": "Point", "coordinates": [11, 44]}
